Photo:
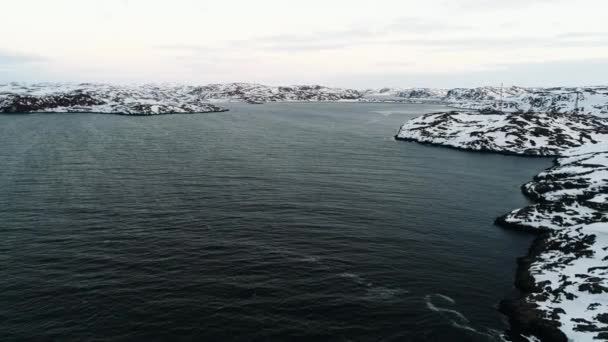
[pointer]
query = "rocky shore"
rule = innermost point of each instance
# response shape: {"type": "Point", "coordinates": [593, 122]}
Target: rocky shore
{"type": "Point", "coordinates": [110, 99]}
{"type": "Point", "coordinates": [154, 99]}
{"type": "Point", "coordinates": [164, 99]}
{"type": "Point", "coordinates": [564, 278]}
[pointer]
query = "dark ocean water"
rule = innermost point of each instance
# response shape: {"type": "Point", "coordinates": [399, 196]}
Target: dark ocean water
{"type": "Point", "coordinates": [270, 222]}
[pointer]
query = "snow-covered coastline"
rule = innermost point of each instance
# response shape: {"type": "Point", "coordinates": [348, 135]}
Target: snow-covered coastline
{"type": "Point", "coordinates": [533, 134]}
{"type": "Point", "coordinates": [580, 100]}
{"type": "Point", "coordinates": [564, 277]}
{"type": "Point", "coordinates": [165, 99]}
{"type": "Point", "coordinates": [99, 98]}
{"type": "Point", "coordinates": [153, 99]}
{"type": "Point", "coordinates": [566, 271]}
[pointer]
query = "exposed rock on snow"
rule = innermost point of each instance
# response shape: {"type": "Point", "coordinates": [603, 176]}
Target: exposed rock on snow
{"type": "Point", "coordinates": [567, 268]}
{"type": "Point", "coordinates": [159, 99]}
{"type": "Point", "coordinates": [95, 98]}
{"type": "Point", "coordinates": [564, 277]}
{"type": "Point", "coordinates": [154, 99]}
{"type": "Point", "coordinates": [261, 93]}
{"type": "Point", "coordinates": [542, 134]}
{"type": "Point", "coordinates": [584, 100]}
{"type": "Point", "coordinates": [409, 95]}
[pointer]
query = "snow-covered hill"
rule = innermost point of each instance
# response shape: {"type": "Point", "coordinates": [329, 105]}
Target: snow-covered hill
{"type": "Point", "coordinates": [154, 99]}
{"type": "Point", "coordinates": [407, 95]}
{"type": "Point", "coordinates": [261, 93]}
{"type": "Point", "coordinates": [100, 98]}
{"type": "Point", "coordinates": [542, 134]}
{"type": "Point", "coordinates": [584, 100]}
{"type": "Point", "coordinates": [160, 99]}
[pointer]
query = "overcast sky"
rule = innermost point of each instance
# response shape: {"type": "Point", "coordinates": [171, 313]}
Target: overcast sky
{"type": "Point", "coordinates": [436, 43]}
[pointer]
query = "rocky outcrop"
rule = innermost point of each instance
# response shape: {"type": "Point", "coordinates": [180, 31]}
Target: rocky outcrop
{"type": "Point", "coordinates": [564, 277]}
{"type": "Point", "coordinates": [159, 99]}
{"type": "Point", "coordinates": [576, 100]}
{"type": "Point", "coordinates": [30, 103]}
{"type": "Point", "coordinates": [572, 100]}
{"type": "Point", "coordinates": [257, 93]}
{"type": "Point", "coordinates": [568, 265]}
{"type": "Point", "coordinates": [87, 98]}
{"type": "Point", "coordinates": [535, 134]}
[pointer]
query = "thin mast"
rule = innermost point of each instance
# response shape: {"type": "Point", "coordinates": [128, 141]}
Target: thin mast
{"type": "Point", "coordinates": [500, 102]}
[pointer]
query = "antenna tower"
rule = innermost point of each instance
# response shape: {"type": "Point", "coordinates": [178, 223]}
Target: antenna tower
{"type": "Point", "coordinates": [500, 102]}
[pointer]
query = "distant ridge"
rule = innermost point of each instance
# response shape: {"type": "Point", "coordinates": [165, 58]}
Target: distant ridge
{"type": "Point", "coordinates": [165, 99]}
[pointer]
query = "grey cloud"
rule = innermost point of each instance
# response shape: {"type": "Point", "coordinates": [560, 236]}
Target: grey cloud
{"type": "Point", "coordinates": [467, 42]}
{"type": "Point", "coordinates": [485, 5]}
{"type": "Point", "coordinates": [415, 28]}
{"type": "Point", "coordinates": [502, 42]}
{"type": "Point", "coordinates": [566, 73]}
{"type": "Point", "coordinates": [349, 39]}
{"type": "Point", "coordinates": [330, 40]}
{"type": "Point", "coordinates": [422, 25]}
{"type": "Point", "coordinates": [15, 66]}
{"type": "Point", "coordinates": [12, 58]}
{"type": "Point", "coordinates": [356, 36]}
{"type": "Point", "coordinates": [583, 35]}
{"type": "Point", "coordinates": [396, 64]}
{"type": "Point", "coordinates": [185, 47]}
{"type": "Point", "coordinates": [314, 41]}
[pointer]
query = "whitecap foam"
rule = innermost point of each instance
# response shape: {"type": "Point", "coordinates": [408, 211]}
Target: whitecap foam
{"type": "Point", "coordinates": [491, 334]}
{"type": "Point", "coordinates": [459, 320]}
{"type": "Point", "coordinates": [383, 293]}
{"type": "Point", "coordinates": [446, 298]}
{"type": "Point", "coordinates": [390, 112]}
{"type": "Point", "coordinates": [355, 277]}
{"type": "Point", "coordinates": [454, 313]}
{"type": "Point", "coordinates": [311, 259]}
{"type": "Point", "coordinates": [373, 293]}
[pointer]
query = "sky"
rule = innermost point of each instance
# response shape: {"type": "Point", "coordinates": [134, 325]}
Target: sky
{"type": "Point", "coordinates": [358, 44]}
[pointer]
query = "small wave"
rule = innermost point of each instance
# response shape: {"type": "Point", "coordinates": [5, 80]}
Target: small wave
{"type": "Point", "coordinates": [458, 320]}
{"type": "Point", "coordinates": [374, 293]}
{"type": "Point", "coordinates": [311, 259]}
{"type": "Point", "coordinates": [491, 334]}
{"type": "Point", "coordinates": [383, 293]}
{"type": "Point", "coordinates": [432, 307]}
{"type": "Point", "coordinates": [348, 275]}
{"type": "Point", "coordinates": [446, 298]}
{"type": "Point", "coordinates": [356, 278]}
{"type": "Point", "coordinates": [530, 338]}
{"type": "Point", "coordinates": [388, 112]}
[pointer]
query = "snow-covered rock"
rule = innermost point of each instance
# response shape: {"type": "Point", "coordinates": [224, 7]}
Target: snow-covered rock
{"type": "Point", "coordinates": [582, 100]}
{"type": "Point", "coordinates": [405, 95]}
{"type": "Point", "coordinates": [543, 134]}
{"type": "Point", "coordinates": [154, 99]}
{"type": "Point", "coordinates": [564, 277]}
{"type": "Point", "coordinates": [256, 93]}
{"type": "Point", "coordinates": [159, 99]}
{"type": "Point", "coordinates": [100, 98]}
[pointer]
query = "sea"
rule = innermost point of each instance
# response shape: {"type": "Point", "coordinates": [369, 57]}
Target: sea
{"type": "Point", "coordinates": [271, 222]}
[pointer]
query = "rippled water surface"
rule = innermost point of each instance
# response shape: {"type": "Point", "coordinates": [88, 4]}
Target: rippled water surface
{"type": "Point", "coordinates": [268, 222]}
